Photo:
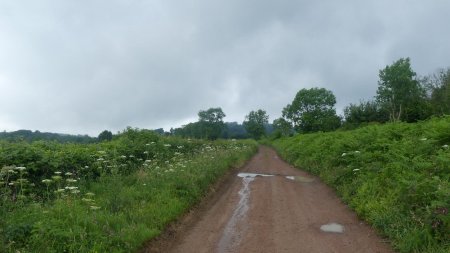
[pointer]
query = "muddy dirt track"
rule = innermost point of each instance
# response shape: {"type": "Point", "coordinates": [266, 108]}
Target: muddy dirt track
{"type": "Point", "coordinates": [283, 210]}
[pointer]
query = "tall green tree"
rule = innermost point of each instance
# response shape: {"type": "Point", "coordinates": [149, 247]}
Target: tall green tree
{"type": "Point", "coordinates": [364, 112]}
{"type": "Point", "coordinates": [438, 85]}
{"type": "Point", "coordinates": [255, 123]}
{"type": "Point", "coordinates": [282, 126]}
{"type": "Point", "coordinates": [400, 93]}
{"type": "Point", "coordinates": [211, 122]}
{"type": "Point", "coordinates": [105, 136]}
{"type": "Point", "coordinates": [313, 110]}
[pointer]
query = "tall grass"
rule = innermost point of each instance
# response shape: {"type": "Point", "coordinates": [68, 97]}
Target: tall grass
{"type": "Point", "coordinates": [118, 196]}
{"type": "Point", "coordinates": [395, 176]}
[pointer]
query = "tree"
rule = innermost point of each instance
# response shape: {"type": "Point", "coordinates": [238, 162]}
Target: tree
{"type": "Point", "coordinates": [365, 112]}
{"type": "Point", "coordinates": [282, 126]}
{"type": "Point", "coordinates": [400, 93]}
{"type": "Point", "coordinates": [105, 136]}
{"type": "Point", "coordinates": [211, 122]}
{"type": "Point", "coordinates": [255, 123]}
{"type": "Point", "coordinates": [313, 110]}
{"type": "Point", "coordinates": [439, 91]}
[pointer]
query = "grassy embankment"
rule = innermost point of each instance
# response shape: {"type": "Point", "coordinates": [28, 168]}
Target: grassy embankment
{"type": "Point", "coordinates": [395, 176]}
{"type": "Point", "coordinates": [107, 197]}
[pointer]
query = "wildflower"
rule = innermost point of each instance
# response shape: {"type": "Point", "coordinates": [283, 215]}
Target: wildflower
{"type": "Point", "coordinates": [90, 194]}
{"type": "Point", "coordinates": [100, 159]}
{"type": "Point", "coordinates": [46, 181]}
{"type": "Point", "coordinates": [21, 168]}
{"type": "Point", "coordinates": [423, 139]}
{"type": "Point", "coordinates": [75, 191]}
{"type": "Point", "coordinates": [148, 144]}
{"type": "Point", "coordinates": [179, 147]}
{"type": "Point", "coordinates": [167, 145]}
{"type": "Point", "coordinates": [145, 152]}
{"type": "Point", "coordinates": [87, 200]}
{"type": "Point", "coordinates": [123, 157]}
{"type": "Point", "coordinates": [69, 180]}
{"type": "Point", "coordinates": [344, 154]}
{"type": "Point", "coordinates": [60, 190]}
{"type": "Point", "coordinates": [70, 188]}
{"type": "Point", "coordinates": [355, 169]}
{"type": "Point", "coordinates": [58, 172]}
{"type": "Point", "coordinates": [445, 146]}
{"type": "Point", "coordinates": [12, 183]}
{"type": "Point", "coordinates": [56, 178]}
{"type": "Point", "coordinates": [148, 161]}
{"type": "Point", "coordinates": [144, 184]}
{"type": "Point", "coordinates": [152, 142]}
{"type": "Point", "coordinates": [95, 207]}
{"type": "Point", "coordinates": [357, 152]}
{"type": "Point", "coordinates": [86, 167]}
{"type": "Point", "coordinates": [12, 171]}
{"type": "Point", "coordinates": [131, 156]}
{"type": "Point", "coordinates": [68, 174]}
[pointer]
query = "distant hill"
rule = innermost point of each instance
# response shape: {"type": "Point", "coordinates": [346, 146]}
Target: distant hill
{"type": "Point", "coordinates": [29, 136]}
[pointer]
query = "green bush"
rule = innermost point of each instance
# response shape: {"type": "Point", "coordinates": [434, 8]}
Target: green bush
{"type": "Point", "coordinates": [106, 197]}
{"type": "Point", "coordinates": [395, 176]}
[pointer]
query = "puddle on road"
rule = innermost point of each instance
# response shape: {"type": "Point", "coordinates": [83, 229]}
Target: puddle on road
{"type": "Point", "coordinates": [332, 228]}
{"type": "Point", "coordinates": [253, 175]}
{"type": "Point", "coordinates": [234, 229]}
{"type": "Point", "coordinates": [232, 235]}
{"type": "Point", "coordinates": [300, 179]}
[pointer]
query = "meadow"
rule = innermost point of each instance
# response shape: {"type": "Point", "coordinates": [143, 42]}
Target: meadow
{"type": "Point", "coordinates": [396, 176]}
{"type": "Point", "coordinates": [105, 197]}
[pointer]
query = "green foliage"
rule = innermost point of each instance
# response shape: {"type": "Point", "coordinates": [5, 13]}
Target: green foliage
{"type": "Point", "coordinates": [395, 176]}
{"type": "Point", "coordinates": [105, 136]}
{"type": "Point", "coordinates": [401, 94]}
{"type": "Point", "coordinates": [313, 110]}
{"type": "Point", "coordinates": [255, 123]}
{"type": "Point", "coordinates": [365, 112]}
{"type": "Point", "coordinates": [211, 122]}
{"type": "Point", "coordinates": [106, 197]}
{"type": "Point", "coordinates": [30, 136]}
{"type": "Point", "coordinates": [282, 127]}
{"type": "Point", "coordinates": [439, 88]}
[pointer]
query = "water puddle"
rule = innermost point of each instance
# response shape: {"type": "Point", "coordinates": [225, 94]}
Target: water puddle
{"type": "Point", "coordinates": [332, 228]}
{"type": "Point", "coordinates": [232, 234]}
{"type": "Point", "coordinates": [235, 227]}
{"type": "Point", "coordinates": [253, 175]}
{"type": "Point", "coordinates": [300, 179]}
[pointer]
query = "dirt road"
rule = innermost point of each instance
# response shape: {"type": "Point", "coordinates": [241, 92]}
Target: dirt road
{"type": "Point", "coordinates": [283, 210]}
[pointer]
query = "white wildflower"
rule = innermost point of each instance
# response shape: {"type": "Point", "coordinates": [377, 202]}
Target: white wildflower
{"type": "Point", "coordinates": [344, 154]}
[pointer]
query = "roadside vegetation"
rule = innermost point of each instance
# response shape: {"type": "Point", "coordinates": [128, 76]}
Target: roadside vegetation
{"type": "Point", "coordinates": [395, 176]}
{"type": "Point", "coordinates": [105, 197]}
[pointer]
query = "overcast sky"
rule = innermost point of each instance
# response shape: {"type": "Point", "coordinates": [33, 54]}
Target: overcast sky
{"type": "Point", "coordinates": [84, 66]}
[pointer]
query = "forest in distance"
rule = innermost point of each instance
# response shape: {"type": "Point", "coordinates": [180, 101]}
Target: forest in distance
{"type": "Point", "coordinates": [402, 95]}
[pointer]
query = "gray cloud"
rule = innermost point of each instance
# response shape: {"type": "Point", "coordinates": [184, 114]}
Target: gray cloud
{"type": "Point", "coordinates": [85, 66]}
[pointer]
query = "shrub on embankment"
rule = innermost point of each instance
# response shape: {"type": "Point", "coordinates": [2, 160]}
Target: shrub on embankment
{"type": "Point", "coordinates": [395, 176]}
{"type": "Point", "coordinates": [107, 197]}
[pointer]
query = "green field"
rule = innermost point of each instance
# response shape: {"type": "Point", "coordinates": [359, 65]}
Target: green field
{"type": "Point", "coordinates": [396, 176]}
{"type": "Point", "coordinates": [105, 197]}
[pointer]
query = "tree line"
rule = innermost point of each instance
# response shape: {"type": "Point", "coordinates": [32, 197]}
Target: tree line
{"type": "Point", "coordinates": [401, 96]}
